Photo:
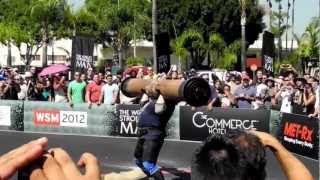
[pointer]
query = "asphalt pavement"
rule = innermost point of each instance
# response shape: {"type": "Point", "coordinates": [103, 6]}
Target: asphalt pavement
{"type": "Point", "coordinates": [116, 154]}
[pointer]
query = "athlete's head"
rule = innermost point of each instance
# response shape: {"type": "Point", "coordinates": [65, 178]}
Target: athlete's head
{"type": "Point", "coordinates": [236, 155]}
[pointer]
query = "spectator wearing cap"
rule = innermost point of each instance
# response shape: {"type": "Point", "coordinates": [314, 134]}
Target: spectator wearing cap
{"type": "Point", "coordinates": [245, 94]}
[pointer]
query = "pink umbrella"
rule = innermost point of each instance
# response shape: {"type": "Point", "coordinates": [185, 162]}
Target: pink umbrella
{"type": "Point", "coordinates": [53, 69]}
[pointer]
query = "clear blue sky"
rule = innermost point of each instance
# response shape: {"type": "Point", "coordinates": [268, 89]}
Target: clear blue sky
{"type": "Point", "coordinates": [305, 10]}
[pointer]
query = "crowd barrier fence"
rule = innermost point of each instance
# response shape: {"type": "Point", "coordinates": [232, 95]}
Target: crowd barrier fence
{"type": "Point", "coordinates": [297, 133]}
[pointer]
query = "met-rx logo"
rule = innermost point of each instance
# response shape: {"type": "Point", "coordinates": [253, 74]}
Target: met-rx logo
{"type": "Point", "coordinates": [298, 131]}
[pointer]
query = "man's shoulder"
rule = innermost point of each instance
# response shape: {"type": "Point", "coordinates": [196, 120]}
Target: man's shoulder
{"type": "Point", "coordinates": [72, 83]}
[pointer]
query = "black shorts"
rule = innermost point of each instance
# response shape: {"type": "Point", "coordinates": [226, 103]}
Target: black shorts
{"type": "Point", "coordinates": [148, 149]}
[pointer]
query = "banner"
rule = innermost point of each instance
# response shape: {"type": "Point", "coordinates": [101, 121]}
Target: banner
{"type": "Point", "coordinates": [268, 52]}
{"type": "Point", "coordinates": [5, 118]}
{"type": "Point", "coordinates": [82, 53]}
{"type": "Point", "coordinates": [11, 115]}
{"type": "Point", "coordinates": [199, 124]}
{"type": "Point", "coordinates": [163, 52]}
{"type": "Point", "coordinates": [128, 119]}
{"type": "Point", "coordinates": [61, 118]}
{"type": "Point", "coordinates": [299, 134]}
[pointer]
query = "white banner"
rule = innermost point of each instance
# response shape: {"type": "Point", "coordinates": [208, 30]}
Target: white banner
{"type": "Point", "coordinates": [73, 119]}
{"type": "Point", "coordinates": [5, 118]}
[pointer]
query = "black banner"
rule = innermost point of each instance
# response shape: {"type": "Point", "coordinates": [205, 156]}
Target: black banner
{"type": "Point", "coordinates": [163, 52]}
{"type": "Point", "coordinates": [128, 116]}
{"type": "Point", "coordinates": [82, 53]}
{"type": "Point", "coordinates": [199, 124]}
{"type": "Point", "coordinates": [268, 52]}
{"type": "Point", "coordinates": [299, 134]}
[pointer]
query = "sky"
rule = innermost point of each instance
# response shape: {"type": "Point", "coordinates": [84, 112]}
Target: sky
{"type": "Point", "coordinates": [305, 10]}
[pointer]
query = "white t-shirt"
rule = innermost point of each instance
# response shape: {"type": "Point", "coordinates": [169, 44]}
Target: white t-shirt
{"type": "Point", "coordinates": [261, 90]}
{"type": "Point", "coordinates": [316, 105]}
{"type": "Point", "coordinates": [286, 106]}
{"type": "Point", "coordinates": [23, 93]}
{"type": "Point", "coordinates": [108, 92]}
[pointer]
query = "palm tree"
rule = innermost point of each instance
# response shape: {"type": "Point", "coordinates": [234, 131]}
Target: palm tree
{"type": "Point", "coordinates": [287, 25]}
{"type": "Point", "coordinates": [292, 24]}
{"type": "Point", "coordinates": [279, 27]}
{"type": "Point", "coordinates": [49, 13]}
{"type": "Point", "coordinates": [243, 5]}
{"type": "Point", "coordinates": [309, 41]}
{"type": "Point", "coordinates": [270, 13]}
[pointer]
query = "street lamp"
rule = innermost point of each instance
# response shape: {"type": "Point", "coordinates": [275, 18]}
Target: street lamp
{"type": "Point", "coordinates": [243, 5]}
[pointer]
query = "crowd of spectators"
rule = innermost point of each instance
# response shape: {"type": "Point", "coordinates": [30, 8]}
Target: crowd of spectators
{"type": "Point", "coordinates": [288, 93]}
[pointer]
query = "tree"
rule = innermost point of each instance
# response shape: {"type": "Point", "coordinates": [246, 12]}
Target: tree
{"type": "Point", "coordinates": [119, 24]}
{"type": "Point", "coordinates": [209, 16]}
{"type": "Point", "coordinates": [52, 16]}
{"type": "Point", "coordinates": [134, 61]}
{"type": "Point", "coordinates": [191, 44]}
{"type": "Point", "coordinates": [310, 40]}
{"type": "Point", "coordinates": [292, 23]}
{"type": "Point", "coordinates": [222, 55]}
{"type": "Point", "coordinates": [24, 31]}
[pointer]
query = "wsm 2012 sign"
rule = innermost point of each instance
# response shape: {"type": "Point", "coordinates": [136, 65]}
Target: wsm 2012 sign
{"type": "Point", "coordinates": [128, 120]}
{"type": "Point", "coordinates": [199, 124]}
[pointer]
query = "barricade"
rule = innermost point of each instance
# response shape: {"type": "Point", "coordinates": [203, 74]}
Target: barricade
{"type": "Point", "coordinates": [196, 125]}
{"type": "Point", "coordinates": [126, 124]}
{"type": "Point", "coordinates": [11, 115]}
{"type": "Point", "coordinates": [300, 134]}
{"type": "Point", "coordinates": [297, 133]}
{"type": "Point", "coordinates": [61, 118]}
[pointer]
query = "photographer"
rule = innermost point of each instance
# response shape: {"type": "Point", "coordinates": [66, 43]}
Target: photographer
{"type": "Point", "coordinates": [11, 89]}
{"type": "Point", "coordinates": [285, 96]}
{"type": "Point", "coordinates": [309, 99]}
{"type": "Point", "coordinates": [298, 95]}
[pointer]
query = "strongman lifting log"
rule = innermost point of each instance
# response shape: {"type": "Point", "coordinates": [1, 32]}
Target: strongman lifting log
{"type": "Point", "coordinates": [159, 101]}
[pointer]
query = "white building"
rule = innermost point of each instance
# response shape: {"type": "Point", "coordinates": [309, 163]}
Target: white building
{"type": "Point", "coordinates": [62, 51]}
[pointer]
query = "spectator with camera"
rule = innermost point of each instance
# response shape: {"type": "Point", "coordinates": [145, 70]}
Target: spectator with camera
{"type": "Point", "coordinates": [285, 96]}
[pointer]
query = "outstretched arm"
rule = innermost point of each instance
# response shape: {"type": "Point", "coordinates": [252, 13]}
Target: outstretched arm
{"type": "Point", "coordinates": [291, 166]}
